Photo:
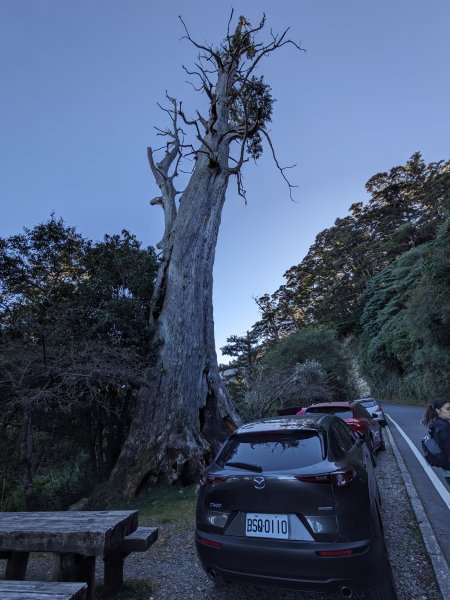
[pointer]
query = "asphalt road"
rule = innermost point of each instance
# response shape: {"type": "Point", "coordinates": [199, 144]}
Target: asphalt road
{"type": "Point", "coordinates": [434, 493]}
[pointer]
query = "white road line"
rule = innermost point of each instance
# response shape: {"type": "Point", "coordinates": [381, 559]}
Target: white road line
{"type": "Point", "coordinates": [445, 495]}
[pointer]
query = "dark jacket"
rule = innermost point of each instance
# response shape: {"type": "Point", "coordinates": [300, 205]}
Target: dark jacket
{"type": "Point", "coordinates": [440, 431]}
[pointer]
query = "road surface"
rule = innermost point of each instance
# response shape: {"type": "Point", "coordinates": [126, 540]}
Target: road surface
{"type": "Point", "coordinates": [434, 493]}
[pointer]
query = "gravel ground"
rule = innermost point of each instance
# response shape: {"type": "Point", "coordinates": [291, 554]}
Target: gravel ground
{"type": "Point", "coordinates": [174, 570]}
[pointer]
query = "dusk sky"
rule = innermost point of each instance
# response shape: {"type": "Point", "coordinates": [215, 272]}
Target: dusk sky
{"type": "Point", "coordinates": [81, 80]}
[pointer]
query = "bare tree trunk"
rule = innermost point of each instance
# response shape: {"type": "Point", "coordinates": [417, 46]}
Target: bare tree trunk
{"type": "Point", "coordinates": [184, 410]}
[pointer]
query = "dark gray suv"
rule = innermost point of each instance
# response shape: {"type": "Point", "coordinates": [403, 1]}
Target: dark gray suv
{"type": "Point", "coordinates": [293, 502]}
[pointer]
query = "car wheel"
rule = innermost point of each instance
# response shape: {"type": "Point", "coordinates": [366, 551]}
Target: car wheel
{"type": "Point", "coordinates": [372, 454]}
{"type": "Point", "coordinates": [382, 445]}
{"type": "Point", "coordinates": [385, 588]}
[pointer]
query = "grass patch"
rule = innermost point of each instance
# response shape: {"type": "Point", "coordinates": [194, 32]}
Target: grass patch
{"type": "Point", "coordinates": [163, 504]}
{"type": "Point", "coordinates": [167, 504]}
{"type": "Point", "coordinates": [137, 589]}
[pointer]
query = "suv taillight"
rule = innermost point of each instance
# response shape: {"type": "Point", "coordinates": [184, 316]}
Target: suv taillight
{"type": "Point", "coordinates": [378, 409]}
{"type": "Point", "coordinates": [211, 479]}
{"type": "Point", "coordinates": [337, 478]}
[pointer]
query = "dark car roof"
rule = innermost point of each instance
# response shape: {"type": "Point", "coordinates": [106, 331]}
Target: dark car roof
{"type": "Point", "coordinates": [317, 422]}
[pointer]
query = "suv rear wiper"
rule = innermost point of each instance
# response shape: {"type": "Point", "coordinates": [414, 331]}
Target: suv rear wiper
{"type": "Point", "coordinates": [243, 465]}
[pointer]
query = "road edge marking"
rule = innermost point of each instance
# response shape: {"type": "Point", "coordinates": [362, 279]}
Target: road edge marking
{"type": "Point", "coordinates": [439, 563]}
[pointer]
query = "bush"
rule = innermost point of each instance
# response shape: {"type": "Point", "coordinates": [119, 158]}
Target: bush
{"type": "Point", "coordinates": [307, 366]}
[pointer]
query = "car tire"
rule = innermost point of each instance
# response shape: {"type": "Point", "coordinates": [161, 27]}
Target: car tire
{"type": "Point", "coordinates": [382, 445]}
{"type": "Point", "coordinates": [372, 454]}
{"type": "Point", "coordinates": [220, 583]}
{"type": "Point", "coordinates": [385, 587]}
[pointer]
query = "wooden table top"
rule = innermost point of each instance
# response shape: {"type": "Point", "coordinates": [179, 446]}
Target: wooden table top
{"type": "Point", "coordinates": [89, 533]}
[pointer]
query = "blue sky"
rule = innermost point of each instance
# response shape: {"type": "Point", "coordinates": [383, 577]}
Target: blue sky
{"type": "Point", "coordinates": [80, 84]}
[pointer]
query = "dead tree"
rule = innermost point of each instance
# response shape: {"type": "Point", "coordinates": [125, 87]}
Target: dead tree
{"type": "Point", "coordinates": [183, 410]}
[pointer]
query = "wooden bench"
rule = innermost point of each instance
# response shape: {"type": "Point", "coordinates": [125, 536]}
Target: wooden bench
{"type": "Point", "coordinates": [42, 590]}
{"type": "Point", "coordinates": [138, 541]}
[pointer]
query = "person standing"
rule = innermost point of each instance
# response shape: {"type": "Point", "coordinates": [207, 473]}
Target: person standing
{"type": "Point", "coordinates": [437, 419]}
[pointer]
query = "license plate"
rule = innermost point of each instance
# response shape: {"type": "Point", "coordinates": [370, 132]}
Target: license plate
{"type": "Point", "coordinates": [267, 526]}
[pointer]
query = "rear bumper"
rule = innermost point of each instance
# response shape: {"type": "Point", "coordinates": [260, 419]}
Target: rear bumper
{"type": "Point", "coordinates": [291, 564]}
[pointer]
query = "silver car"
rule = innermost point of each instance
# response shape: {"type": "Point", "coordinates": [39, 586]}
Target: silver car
{"type": "Point", "coordinates": [374, 408]}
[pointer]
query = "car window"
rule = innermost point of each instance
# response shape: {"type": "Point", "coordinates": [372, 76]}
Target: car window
{"type": "Point", "coordinates": [344, 436]}
{"type": "Point", "coordinates": [368, 403]}
{"type": "Point", "coordinates": [339, 411]}
{"type": "Point", "coordinates": [274, 452]}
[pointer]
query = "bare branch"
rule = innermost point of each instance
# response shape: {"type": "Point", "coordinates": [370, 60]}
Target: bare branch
{"type": "Point", "coordinates": [175, 172]}
{"type": "Point", "coordinates": [208, 49]}
{"type": "Point", "coordinates": [196, 89]}
{"type": "Point", "coordinates": [277, 42]}
{"type": "Point", "coordinates": [201, 139]}
{"type": "Point", "coordinates": [240, 186]}
{"type": "Point", "coordinates": [207, 86]}
{"type": "Point", "coordinates": [164, 132]}
{"type": "Point", "coordinates": [202, 120]}
{"type": "Point", "coordinates": [240, 161]}
{"type": "Point", "coordinates": [279, 167]}
{"type": "Point", "coordinates": [229, 23]}
{"type": "Point", "coordinates": [161, 170]}
{"type": "Point", "coordinates": [246, 134]}
{"type": "Point", "coordinates": [261, 25]}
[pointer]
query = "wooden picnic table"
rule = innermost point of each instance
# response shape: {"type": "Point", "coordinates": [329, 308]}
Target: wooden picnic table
{"type": "Point", "coordinates": [77, 537]}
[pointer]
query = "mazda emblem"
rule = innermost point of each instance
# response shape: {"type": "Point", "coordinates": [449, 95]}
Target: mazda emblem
{"type": "Point", "coordinates": [260, 483]}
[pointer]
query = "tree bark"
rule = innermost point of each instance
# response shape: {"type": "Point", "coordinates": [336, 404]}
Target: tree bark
{"type": "Point", "coordinates": [183, 411]}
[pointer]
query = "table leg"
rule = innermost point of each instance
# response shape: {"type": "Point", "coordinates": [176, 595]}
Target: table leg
{"type": "Point", "coordinates": [113, 578]}
{"type": "Point", "coordinates": [76, 567]}
{"type": "Point", "coordinates": [16, 567]}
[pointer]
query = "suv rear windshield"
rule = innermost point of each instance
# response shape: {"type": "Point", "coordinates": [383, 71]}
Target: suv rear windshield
{"type": "Point", "coordinates": [368, 403]}
{"type": "Point", "coordinates": [273, 452]}
{"type": "Point", "coordinates": [339, 411]}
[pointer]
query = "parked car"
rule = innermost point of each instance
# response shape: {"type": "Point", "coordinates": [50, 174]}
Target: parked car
{"type": "Point", "coordinates": [374, 408]}
{"type": "Point", "coordinates": [356, 417]}
{"type": "Point", "coordinates": [293, 502]}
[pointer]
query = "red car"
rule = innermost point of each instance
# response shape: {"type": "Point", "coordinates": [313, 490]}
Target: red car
{"type": "Point", "coordinates": [356, 417]}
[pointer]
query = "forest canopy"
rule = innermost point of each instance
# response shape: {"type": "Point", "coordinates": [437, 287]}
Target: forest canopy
{"type": "Point", "coordinates": [379, 278]}
{"type": "Point", "coordinates": [371, 298]}
{"type": "Point", "coordinates": [74, 336]}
